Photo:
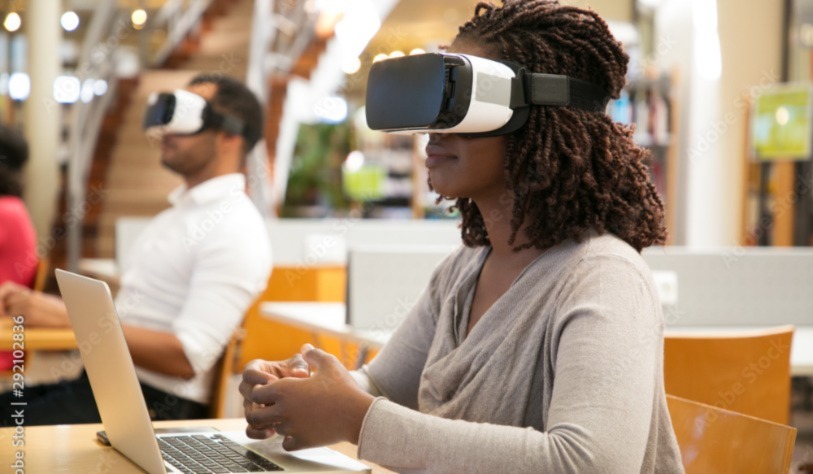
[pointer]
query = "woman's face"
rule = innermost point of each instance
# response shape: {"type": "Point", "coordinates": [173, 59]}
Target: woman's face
{"type": "Point", "coordinates": [466, 167]}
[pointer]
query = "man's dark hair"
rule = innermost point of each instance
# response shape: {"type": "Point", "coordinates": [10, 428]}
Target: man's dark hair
{"type": "Point", "coordinates": [13, 156]}
{"type": "Point", "coordinates": [235, 99]}
{"type": "Point", "coordinates": [571, 172]}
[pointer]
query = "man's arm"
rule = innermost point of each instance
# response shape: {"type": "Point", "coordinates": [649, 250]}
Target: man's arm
{"type": "Point", "coordinates": [158, 351]}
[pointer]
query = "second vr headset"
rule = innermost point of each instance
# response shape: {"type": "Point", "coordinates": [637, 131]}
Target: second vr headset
{"type": "Point", "coordinates": [185, 113]}
{"type": "Point", "coordinates": [469, 95]}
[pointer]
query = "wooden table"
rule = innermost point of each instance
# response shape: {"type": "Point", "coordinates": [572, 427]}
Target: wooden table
{"type": "Point", "coordinates": [37, 339]}
{"type": "Point", "coordinates": [73, 448]}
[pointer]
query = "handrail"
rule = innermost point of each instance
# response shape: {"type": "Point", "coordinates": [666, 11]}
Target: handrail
{"type": "Point", "coordinates": [256, 80]}
{"type": "Point", "coordinates": [96, 62]}
{"type": "Point", "coordinates": [180, 17]}
{"type": "Point", "coordinates": [280, 33]}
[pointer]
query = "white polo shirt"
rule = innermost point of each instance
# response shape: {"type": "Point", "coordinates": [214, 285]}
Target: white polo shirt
{"type": "Point", "coordinates": [194, 271]}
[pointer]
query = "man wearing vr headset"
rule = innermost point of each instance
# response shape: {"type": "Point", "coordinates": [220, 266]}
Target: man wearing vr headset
{"type": "Point", "coordinates": [191, 274]}
{"type": "Point", "coordinates": [537, 347]}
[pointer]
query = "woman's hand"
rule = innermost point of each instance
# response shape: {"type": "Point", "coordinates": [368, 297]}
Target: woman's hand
{"type": "Point", "coordinates": [259, 373]}
{"type": "Point", "coordinates": [325, 408]}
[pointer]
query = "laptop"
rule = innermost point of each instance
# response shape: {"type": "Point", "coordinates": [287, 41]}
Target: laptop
{"type": "Point", "coordinates": [124, 413]}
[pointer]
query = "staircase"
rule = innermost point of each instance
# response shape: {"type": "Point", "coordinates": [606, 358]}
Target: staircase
{"type": "Point", "coordinates": [136, 184]}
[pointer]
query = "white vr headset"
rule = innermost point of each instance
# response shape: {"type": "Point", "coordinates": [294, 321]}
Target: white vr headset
{"type": "Point", "coordinates": [185, 113]}
{"type": "Point", "coordinates": [467, 95]}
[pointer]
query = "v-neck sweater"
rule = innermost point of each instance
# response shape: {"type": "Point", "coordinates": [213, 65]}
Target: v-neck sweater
{"type": "Point", "coordinates": [563, 373]}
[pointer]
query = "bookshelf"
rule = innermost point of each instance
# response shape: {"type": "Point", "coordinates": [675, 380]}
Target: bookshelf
{"type": "Point", "coordinates": [648, 104]}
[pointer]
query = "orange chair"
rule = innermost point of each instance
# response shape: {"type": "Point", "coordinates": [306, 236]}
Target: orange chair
{"type": "Point", "coordinates": [746, 372]}
{"type": "Point", "coordinates": [41, 278]}
{"type": "Point", "coordinates": [716, 440]}
{"type": "Point", "coordinates": [224, 369]}
{"type": "Point", "coordinates": [268, 340]}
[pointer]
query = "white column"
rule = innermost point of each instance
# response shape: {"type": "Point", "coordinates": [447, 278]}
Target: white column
{"type": "Point", "coordinates": [712, 109]}
{"type": "Point", "coordinates": [42, 113]}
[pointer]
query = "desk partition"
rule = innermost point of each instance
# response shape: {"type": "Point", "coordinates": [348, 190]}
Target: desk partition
{"type": "Point", "coordinates": [385, 282]}
{"type": "Point", "coordinates": [308, 242]}
{"type": "Point", "coordinates": [738, 286]}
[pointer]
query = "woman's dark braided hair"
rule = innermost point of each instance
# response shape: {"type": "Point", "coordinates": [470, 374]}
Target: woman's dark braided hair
{"type": "Point", "coordinates": [571, 171]}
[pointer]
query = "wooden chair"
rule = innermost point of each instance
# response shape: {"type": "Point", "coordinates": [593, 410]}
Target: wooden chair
{"type": "Point", "coordinates": [224, 369]}
{"type": "Point", "coordinates": [746, 372]}
{"type": "Point", "coordinates": [41, 278]}
{"type": "Point", "coordinates": [258, 338]}
{"type": "Point", "coordinates": [716, 440]}
{"type": "Point", "coordinates": [274, 341]}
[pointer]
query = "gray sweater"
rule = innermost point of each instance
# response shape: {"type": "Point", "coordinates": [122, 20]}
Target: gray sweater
{"type": "Point", "coordinates": [562, 374]}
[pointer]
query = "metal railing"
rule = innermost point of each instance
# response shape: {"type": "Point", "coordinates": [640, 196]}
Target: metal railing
{"type": "Point", "coordinates": [96, 62]}
{"type": "Point", "coordinates": [171, 24]}
{"type": "Point", "coordinates": [108, 28]}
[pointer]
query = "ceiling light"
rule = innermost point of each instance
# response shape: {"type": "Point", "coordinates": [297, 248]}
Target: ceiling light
{"type": "Point", "coordinates": [351, 65]}
{"type": "Point", "coordinates": [331, 110]}
{"type": "Point", "coordinates": [100, 87]}
{"type": "Point", "coordinates": [397, 54]}
{"type": "Point", "coordinates": [379, 57]}
{"type": "Point", "coordinates": [12, 22]}
{"type": "Point", "coordinates": [67, 89]}
{"type": "Point", "coordinates": [86, 95]}
{"type": "Point", "coordinates": [19, 86]}
{"type": "Point", "coordinates": [416, 51]}
{"type": "Point", "coordinates": [69, 20]}
{"type": "Point", "coordinates": [139, 18]}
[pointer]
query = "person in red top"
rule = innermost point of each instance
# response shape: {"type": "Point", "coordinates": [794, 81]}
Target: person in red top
{"type": "Point", "coordinates": [18, 241]}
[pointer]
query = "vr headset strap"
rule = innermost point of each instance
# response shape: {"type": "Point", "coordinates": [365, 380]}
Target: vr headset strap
{"type": "Point", "coordinates": [557, 90]}
{"type": "Point", "coordinates": [230, 124]}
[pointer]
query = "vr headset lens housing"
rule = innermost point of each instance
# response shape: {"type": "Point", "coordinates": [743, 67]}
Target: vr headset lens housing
{"type": "Point", "coordinates": [180, 112]}
{"type": "Point", "coordinates": [185, 113]}
{"type": "Point", "coordinates": [469, 95]}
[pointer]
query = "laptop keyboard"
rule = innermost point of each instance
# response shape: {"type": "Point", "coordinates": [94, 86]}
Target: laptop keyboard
{"type": "Point", "coordinates": [194, 454]}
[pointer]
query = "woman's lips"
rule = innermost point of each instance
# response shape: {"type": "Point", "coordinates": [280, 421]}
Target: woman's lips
{"type": "Point", "coordinates": [436, 156]}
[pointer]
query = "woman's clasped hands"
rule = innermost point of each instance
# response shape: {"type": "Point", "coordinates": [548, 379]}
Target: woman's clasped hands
{"type": "Point", "coordinates": [310, 399]}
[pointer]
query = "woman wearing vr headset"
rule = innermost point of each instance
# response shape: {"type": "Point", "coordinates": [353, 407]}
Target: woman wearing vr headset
{"type": "Point", "coordinates": [537, 347]}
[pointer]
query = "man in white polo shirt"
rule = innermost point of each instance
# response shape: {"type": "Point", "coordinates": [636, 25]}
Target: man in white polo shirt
{"type": "Point", "coordinates": [192, 273]}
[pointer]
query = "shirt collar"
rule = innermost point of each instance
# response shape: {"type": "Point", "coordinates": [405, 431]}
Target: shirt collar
{"type": "Point", "coordinates": [208, 191]}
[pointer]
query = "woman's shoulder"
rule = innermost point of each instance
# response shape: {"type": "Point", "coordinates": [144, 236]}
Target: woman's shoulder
{"type": "Point", "coordinates": [12, 207]}
{"type": "Point", "coordinates": [457, 264]}
{"type": "Point", "coordinates": [607, 249]}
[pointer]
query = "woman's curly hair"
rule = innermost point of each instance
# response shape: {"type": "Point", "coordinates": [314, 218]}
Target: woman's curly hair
{"type": "Point", "coordinates": [571, 171]}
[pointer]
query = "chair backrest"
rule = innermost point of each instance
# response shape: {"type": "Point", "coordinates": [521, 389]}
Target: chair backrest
{"type": "Point", "coordinates": [743, 371]}
{"type": "Point", "coordinates": [41, 277]}
{"type": "Point", "coordinates": [716, 440]}
{"type": "Point", "coordinates": [224, 368]}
